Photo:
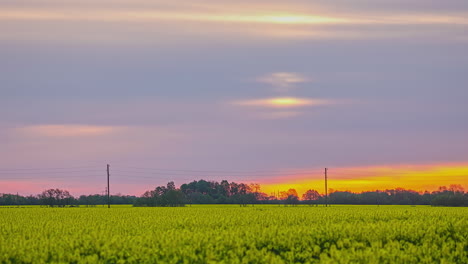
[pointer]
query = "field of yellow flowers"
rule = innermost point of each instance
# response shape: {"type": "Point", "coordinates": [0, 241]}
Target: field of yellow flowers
{"type": "Point", "coordinates": [233, 234]}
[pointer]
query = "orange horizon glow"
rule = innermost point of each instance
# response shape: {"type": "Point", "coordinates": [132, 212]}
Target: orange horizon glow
{"type": "Point", "coordinates": [361, 179]}
{"type": "Point", "coordinates": [415, 177]}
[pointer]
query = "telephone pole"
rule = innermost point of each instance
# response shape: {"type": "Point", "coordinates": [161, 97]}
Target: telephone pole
{"type": "Point", "coordinates": [108, 188]}
{"type": "Point", "coordinates": [326, 188]}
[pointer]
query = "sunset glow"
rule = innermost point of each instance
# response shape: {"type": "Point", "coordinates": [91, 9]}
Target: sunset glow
{"type": "Point", "coordinates": [358, 179]}
{"type": "Point", "coordinates": [283, 102]}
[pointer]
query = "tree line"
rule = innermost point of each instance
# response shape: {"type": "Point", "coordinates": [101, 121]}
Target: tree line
{"type": "Point", "coordinates": [451, 196]}
{"type": "Point", "coordinates": [63, 198]}
{"type": "Point", "coordinates": [224, 192]}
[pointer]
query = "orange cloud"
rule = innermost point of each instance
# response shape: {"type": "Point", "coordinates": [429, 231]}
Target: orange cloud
{"type": "Point", "coordinates": [358, 179]}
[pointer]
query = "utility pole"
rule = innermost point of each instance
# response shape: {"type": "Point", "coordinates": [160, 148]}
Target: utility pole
{"type": "Point", "coordinates": [326, 188]}
{"type": "Point", "coordinates": [108, 189]}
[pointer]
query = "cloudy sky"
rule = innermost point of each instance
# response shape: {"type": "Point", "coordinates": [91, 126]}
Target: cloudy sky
{"type": "Point", "coordinates": [252, 91]}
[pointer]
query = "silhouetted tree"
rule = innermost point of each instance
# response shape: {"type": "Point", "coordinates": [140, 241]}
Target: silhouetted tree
{"type": "Point", "coordinates": [162, 196]}
{"type": "Point", "coordinates": [292, 200]}
{"type": "Point", "coordinates": [290, 197]}
{"type": "Point", "coordinates": [310, 196]}
{"type": "Point", "coordinates": [56, 197]}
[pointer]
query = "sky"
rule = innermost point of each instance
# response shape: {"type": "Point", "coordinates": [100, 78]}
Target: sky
{"type": "Point", "coordinates": [270, 92]}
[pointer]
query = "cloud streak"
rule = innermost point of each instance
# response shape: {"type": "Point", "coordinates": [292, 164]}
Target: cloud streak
{"type": "Point", "coordinates": [257, 16]}
{"type": "Point", "coordinates": [113, 23]}
{"type": "Point", "coordinates": [283, 81]}
{"type": "Point", "coordinates": [283, 102]}
{"type": "Point", "coordinates": [69, 130]}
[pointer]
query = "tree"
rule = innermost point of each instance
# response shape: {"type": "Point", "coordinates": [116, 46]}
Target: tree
{"type": "Point", "coordinates": [224, 188]}
{"type": "Point", "coordinates": [202, 186]}
{"type": "Point", "coordinates": [167, 195]}
{"type": "Point", "coordinates": [456, 188]}
{"type": "Point", "coordinates": [292, 200]}
{"type": "Point", "coordinates": [56, 197]}
{"type": "Point", "coordinates": [310, 196]}
{"type": "Point", "coordinates": [290, 197]}
{"type": "Point", "coordinates": [171, 186]}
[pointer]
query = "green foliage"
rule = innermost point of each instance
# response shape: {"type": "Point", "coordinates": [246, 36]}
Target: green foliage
{"type": "Point", "coordinates": [162, 196]}
{"type": "Point", "coordinates": [450, 199]}
{"type": "Point", "coordinates": [233, 234]}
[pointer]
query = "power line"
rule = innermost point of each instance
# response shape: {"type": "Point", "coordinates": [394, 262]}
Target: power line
{"type": "Point", "coordinates": [149, 177]}
{"type": "Point", "coordinates": [62, 168]}
{"type": "Point", "coordinates": [184, 172]}
{"type": "Point", "coordinates": [94, 168]}
{"type": "Point", "coordinates": [190, 177]}
{"type": "Point", "coordinates": [350, 171]}
{"type": "Point", "coordinates": [205, 171]}
{"type": "Point", "coordinates": [392, 173]}
{"type": "Point", "coordinates": [47, 177]}
{"type": "Point", "coordinates": [153, 177]}
{"type": "Point", "coordinates": [260, 173]}
{"type": "Point", "coordinates": [46, 172]}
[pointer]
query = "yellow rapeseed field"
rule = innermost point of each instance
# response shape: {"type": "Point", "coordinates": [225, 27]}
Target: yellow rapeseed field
{"type": "Point", "coordinates": [233, 234]}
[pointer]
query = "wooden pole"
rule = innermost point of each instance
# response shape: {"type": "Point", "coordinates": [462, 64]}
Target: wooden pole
{"type": "Point", "coordinates": [326, 188]}
{"type": "Point", "coordinates": [108, 187]}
